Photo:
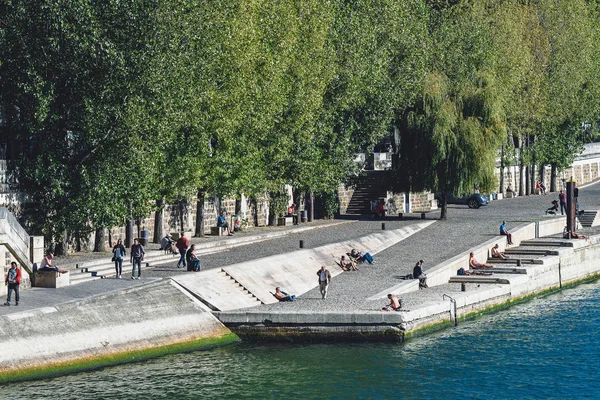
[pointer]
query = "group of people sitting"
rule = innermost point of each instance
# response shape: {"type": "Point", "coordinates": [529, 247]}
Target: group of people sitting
{"type": "Point", "coordinates": [350, 260]}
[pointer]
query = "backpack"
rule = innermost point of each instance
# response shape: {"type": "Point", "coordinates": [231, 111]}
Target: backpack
{"type": "Point", "coordinates": [461, 271]}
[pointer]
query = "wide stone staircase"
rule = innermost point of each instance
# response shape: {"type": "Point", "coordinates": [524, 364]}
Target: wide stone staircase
{"type": "Point", "coordinates": [372, 188]}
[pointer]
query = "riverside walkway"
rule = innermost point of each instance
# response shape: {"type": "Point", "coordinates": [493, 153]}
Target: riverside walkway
{"type": "Point", "coordinates": [349, 291]}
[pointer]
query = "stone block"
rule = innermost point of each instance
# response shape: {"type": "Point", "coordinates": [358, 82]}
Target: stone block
{"type": "Point", "coordinates": [217, 231]}
{"type": "Point", "coordinates": [176, 235]}
{"type": "Point", "coordinates": [51, 279]}
{"type": "Point", "coordinates": [285, 221]}
{"type": "Point", "coordinates": [36, 249]}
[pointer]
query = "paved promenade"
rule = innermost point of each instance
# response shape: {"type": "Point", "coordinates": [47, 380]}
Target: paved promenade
{"type": "Point", "coordinates": [463, 229]}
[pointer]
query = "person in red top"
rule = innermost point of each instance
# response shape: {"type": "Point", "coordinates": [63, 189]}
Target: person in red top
{"type": "Point", "coordinates": [562, 197]}
{"type": "Point", "coordinates": [13, 279]}
{"type": "Point", "coordinates": [182, 245]}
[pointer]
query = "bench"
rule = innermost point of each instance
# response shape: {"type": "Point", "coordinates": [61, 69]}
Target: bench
{"type": "Point", "coordinates": [285, 221]}
{"type": "Point", "coordinates": [218, 231]}
{"type": "Point", "coordinates": [51, 279]}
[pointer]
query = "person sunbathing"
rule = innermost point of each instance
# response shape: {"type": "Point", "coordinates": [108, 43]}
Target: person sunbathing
{"type": "Point", "coordinates": [473, 264]}
{"type": "Point", "coordinates": [348, 264]}
{"type": "Point", "coordinates": [394, 305]}
{"type": "Point", "coordinates": [575, 235]}
{"type": "Point", "coordinates": [283, 296]}
{"type": "Point", "coordinates": [496, 253]}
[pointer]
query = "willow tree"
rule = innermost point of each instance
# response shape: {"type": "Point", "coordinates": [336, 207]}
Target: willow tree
{"type": "Point", "coordinates": [450, 138]}
{"type": "Point", "coordinates": [572, 79]}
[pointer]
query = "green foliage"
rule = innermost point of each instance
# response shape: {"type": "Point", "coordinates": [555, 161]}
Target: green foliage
{"type": "Point", "coordinates": [121, 103]}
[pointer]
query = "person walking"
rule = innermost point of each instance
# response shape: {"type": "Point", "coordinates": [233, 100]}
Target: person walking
{"type": "Point", "coordinates": [137, 255]}
{"type": "Point", "coordinates": [13, 280]}
{"type": "Point", "coordinates": [324, 280]}
{"type": "Point", "coordinates": [182, 245]}
{"type": "Point", "coordinates": [118, 254]}
{"type": "Point", "coordinates": [562, 197]}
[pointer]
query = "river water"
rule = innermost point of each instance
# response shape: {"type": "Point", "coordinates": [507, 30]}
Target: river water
{"type": "Point", "coordinates": [547, 348]}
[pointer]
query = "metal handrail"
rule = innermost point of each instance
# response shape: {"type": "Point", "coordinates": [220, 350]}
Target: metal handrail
{"type": "Point", "coordinates": [452, 301]}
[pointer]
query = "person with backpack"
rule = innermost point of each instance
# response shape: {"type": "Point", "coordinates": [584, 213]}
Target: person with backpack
{"type": "Point", "coordinates": [13, 280]}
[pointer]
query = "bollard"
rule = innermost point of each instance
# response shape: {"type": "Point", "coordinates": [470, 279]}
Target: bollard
{"type": "Point", "coordinates": [400, 215]}
{"type": "Point", "coordinates": [302, 244]}
{"type": "Point", "coordinates": [383, 226]}
{"type": "Point", "coordinates": [463, 287]}
{"type": "Point", "coordinates": [76, 266]}
{"type": "Point", "coordinates": [423, 215]}
{"type": "Point", "coordinates": [519, 262]}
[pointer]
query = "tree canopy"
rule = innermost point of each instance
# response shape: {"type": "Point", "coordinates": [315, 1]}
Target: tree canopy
{"type": "Point", "coordinates": [122, 106]}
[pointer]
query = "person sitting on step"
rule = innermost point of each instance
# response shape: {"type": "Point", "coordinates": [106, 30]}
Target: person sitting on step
{"type": "Point", "coordinates": [496, 253]}
{"type": "Point", "coordinates": [222, 222]}
{"type": "Point", "coordinates": [420, 275]}
{"type": "Point", "coordinates": [193, 262]}
{"type": "Point", "coordinates": [473, 264]}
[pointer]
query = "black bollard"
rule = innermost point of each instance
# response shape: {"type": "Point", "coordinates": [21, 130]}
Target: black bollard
{"type": "Point", "coordinates": [422, 215]}
{"type": "Point", "coordinates": [400, 215]}
{"type": "Point", "coordinates": [383, 226]}
{"type": "Point", "coordinates": [302, 244]}
{"type": "Point", "coordinates": [518, 262]}
{"type": "Point", "coordinates": [463, 287]}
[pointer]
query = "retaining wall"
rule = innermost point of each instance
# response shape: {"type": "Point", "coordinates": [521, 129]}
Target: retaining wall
{"type": "Point", "coordinates": [103, 330]}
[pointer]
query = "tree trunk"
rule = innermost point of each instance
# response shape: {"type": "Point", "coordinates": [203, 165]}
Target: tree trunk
{"type": "Point", "coordinates": [199, 230]}
{"type": "Point", "coordinates": [99, 239]}
{"type": "Point", "coordinates": [444, 206]}
{"type": "Point", "coordinates": [128, 233]}
{"type": "Point", "coordinates": [238, 205]}
{"type": "Point", "coordinates": [255, 211]}
{"type": "Point", "coordinates": [310, 205]}
{"type": "Point", "coordinates": [181, 209]}
{"type": "Point", "coordinates": [521, 170]}
{"type": "Point", "coordinates": [63, 244]}
{"type": "Point", "coordinates": [158, 220]}
{"type": "Point", "coordinates": [501, 190]}
{"type": "Point", "coordinates": [533, 182]}
{"type": "Point", "coordinates": [527, 188]}
{"type": "Point", "coordinates": [272, 211]}
{"type": "Point", "coordinates": [553, 178]}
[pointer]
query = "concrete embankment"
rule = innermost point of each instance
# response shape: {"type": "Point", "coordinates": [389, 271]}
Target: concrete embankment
{"type": "Point", "coordinates": [122, 326]}
{"type": "Point", "coordinates": [552, 263]}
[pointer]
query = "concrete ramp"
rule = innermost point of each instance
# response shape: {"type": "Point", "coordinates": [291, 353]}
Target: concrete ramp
{"type": "Point", "coordinates": [294, 272]}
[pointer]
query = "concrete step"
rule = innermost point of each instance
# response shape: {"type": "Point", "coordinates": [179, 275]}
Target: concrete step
{"type": "Point", "coordinates": [589, 218]}
{"type": "Point", "coordinates": [478, 279]}
{"type": "Point", "coordinates": [531, 252]}
{"type": "Point", "coordinates": [217, 290]}
{"type": "Point", "coordinates": [105, 268]}
{"type": "Point", "coordinates": [547, 243]}
{"type": "Point", "coordinates": [501, 270]}
{"type": "Point", "coordinates": [513, 261]}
